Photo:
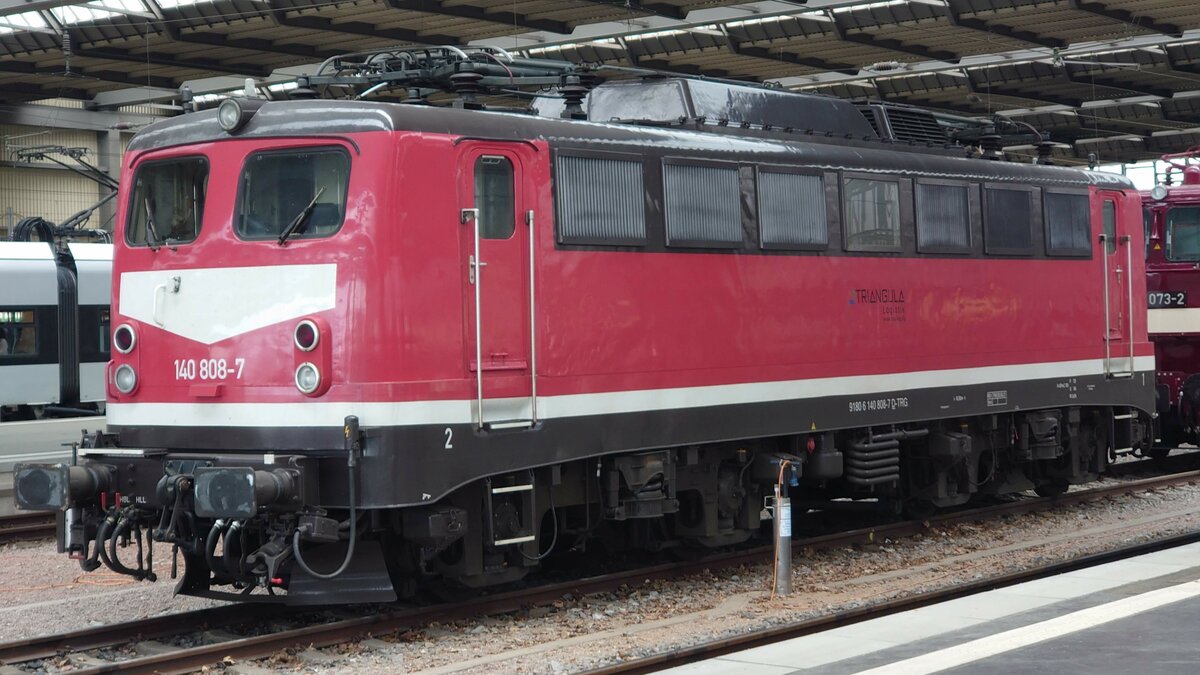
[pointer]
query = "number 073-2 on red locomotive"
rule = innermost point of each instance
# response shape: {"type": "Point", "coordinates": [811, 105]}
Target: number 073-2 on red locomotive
{"type": "Point", "coordinates": [421, 343]}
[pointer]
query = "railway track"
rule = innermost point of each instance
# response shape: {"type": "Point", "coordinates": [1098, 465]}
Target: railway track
{"type": "Point", "coordinates": [819, 624]}
{"type": "Point", "coordinates": [26, 526]}
{"type": "Point", "coordinates": [132, 647]}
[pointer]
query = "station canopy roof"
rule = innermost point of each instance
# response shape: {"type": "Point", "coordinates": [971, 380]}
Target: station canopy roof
{"type": "Point", "coordinates": [1119, 79]}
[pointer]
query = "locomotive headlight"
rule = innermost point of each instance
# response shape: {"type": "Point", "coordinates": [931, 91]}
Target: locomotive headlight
{"type": "Point", "coordinates": [1159, 192]}
{"type": "Point", "coordinates": [308, 378]}
{"type": "Point", "coordinates": [306, 335]}
{"type": "Point", "coordinates": [125, 379]}
{"type": "Point", "coordinates": [124, 338]}
{"type": "Point", "coordinates": [234, 113]}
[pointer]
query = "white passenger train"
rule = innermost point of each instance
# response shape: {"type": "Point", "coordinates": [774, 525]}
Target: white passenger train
{"type": "Point", "coordinates": [54, 329]}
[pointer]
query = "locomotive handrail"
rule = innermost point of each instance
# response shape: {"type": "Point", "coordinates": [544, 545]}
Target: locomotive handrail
{"type": "Point", "coordinates": [1128, 241]}
{"type": "Point", "coordinates": [1109, 370]}
{"type": "Point", "coordinates": [476, 277]}
{"type": "Point", "coordinates": [532, 326]}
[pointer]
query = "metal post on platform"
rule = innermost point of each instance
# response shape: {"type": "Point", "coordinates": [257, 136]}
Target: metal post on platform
{"type": "Point", "coordinates": [783, 542]}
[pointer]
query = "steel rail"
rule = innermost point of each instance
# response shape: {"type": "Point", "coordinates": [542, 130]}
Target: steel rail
{"type": "Point", "coordinates": [46, 646]}
{"type": "Point", "coordinates": [24, 526]}
{"type": "Point", "coordinates": [336, 632]}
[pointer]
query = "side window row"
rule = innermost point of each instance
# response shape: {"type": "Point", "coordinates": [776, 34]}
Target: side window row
{"type": "Point", "coordinates": [602, 201]}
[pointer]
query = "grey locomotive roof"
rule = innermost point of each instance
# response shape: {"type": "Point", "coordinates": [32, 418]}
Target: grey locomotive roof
{"type": "Point", "coordinates": [330, 117]}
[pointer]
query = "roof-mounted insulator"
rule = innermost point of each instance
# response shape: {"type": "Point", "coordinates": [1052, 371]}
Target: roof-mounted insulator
{"type": "Point", "coordinates": [185, 99]}
{"type": "Point", "coordinates": [465, 83]}
{"type": "Point", "coordinates": [1045, 150]}
{"type": "Point", "coordinates": [573, 91]}
{"type": "Point", "coordinates": [990, 144]}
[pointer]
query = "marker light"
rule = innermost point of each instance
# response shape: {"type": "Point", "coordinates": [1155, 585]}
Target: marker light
{"type": "Point", "coordinates": [306, 335]}
{"type": "Point", "coordinates": [124, 338]}
{"type": "Point", "coordinates": [125, 379]}
{"type": "Point", "coordinates": [1159, 192]}
{"type": "Point", "coordinates": [308, 379]}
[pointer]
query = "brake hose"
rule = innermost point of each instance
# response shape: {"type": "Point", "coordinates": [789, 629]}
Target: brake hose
{"type": "Point", "coordinates": [353, 537]}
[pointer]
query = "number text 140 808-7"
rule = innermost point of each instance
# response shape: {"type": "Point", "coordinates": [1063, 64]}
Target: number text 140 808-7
{"type": "Point", "coordinates": [209, 369]}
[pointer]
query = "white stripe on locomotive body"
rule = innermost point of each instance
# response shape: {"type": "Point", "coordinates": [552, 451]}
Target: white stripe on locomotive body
{"type": "Point", "coordinates": [213, 304]}
{"type": "Point", "coordinates": [33, 384]}
{"type": "Point", "coordinates": [408, 413]}
{"type": "Point", "coordinates": [1175, 320]}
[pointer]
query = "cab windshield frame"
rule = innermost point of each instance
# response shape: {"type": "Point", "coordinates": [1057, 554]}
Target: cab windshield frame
{"type": "Point", "coordinates": [298, 199]}
{"type": "Point", "coordinates": [1173, 228]}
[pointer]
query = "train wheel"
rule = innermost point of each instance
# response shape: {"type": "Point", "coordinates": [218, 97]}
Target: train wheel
{"type": "Point", "coordinates": [1159, 453]}
{"type": "Point", "coordinates": [1051, 489]}
{"type": "Point", "coordinates": [919, 509]}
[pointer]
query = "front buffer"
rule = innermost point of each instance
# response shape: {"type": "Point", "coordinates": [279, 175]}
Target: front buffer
{"type": "Point", "coordinates": [246, 521]}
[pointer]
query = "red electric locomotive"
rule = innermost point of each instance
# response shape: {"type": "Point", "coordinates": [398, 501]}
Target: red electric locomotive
{"type": "Point", "coordinates": [360, 345]}
{"type": "Point", "coordinates": [1171, 215]}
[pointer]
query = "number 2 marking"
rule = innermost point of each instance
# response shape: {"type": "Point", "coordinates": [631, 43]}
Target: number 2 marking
{"type": "Point", "coordinates": [449, 438]}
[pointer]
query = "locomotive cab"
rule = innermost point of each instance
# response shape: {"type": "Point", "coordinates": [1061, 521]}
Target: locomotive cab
{"type": "Point", "coordinates": [1172, 225]}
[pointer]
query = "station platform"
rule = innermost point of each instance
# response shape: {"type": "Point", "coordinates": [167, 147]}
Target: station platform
{"type": "Point", "coordinates": [1135, 615]}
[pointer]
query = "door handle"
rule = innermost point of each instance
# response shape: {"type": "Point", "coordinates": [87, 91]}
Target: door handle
{"type": "Point", "coordinates": [154, 312]}
{"type": "Point", "coordinates": [472, 264]}
{"type": "Point", "coordinates": [174, 288]}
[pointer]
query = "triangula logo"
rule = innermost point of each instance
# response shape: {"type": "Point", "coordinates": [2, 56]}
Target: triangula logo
{"type": "Point", "coordinates": [214, 304]}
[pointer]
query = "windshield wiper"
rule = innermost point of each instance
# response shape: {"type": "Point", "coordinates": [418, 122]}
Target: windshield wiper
{"type": "Point", "coordinates": [151, 229]}
{"type": "Point", "coordinates": [297, 224]}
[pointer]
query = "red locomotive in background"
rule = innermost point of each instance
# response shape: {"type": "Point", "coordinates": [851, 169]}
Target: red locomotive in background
{"type": "Point", "coordinates": [360, 345]}
{"type": "Point", "coordinates": [1171, 214]}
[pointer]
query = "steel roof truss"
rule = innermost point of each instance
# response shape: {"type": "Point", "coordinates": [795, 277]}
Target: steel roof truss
{"type": "Point", "coordinates": [955, 14]}
{"type": "Point", "coordinates": [854, 34]}
{"type": "Point", "coordinates": [159, 59]}
{"type": "Point", "coordinates": [507, 18]}
{"type": "Point", "coordinates": [279, 12]}
{"type": "Point", "coordinates": [1127, 17]}
{"type": "Point", "coordinates": [781, 56]}
{"type": "Point", "coordinates": [656, 8]}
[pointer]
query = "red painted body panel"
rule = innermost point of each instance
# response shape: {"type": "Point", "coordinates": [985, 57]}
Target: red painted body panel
{"type": "Point", "coordinates": [1176, 353]}
{"type": "Point", "coordinates": [402, 329]}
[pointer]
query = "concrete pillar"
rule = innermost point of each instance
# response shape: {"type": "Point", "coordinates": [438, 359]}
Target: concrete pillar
{"type": "Point", "coordinates": [108, 147]}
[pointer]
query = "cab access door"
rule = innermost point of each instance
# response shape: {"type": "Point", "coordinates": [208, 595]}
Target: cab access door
{"type": "Point", "coordinates": [497, 255]}
{"type": "Point", "coordinates": [1116, 250]}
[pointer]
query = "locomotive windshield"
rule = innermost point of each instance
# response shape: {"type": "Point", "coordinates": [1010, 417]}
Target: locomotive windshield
{"type": "Point", "coordinates": [279, 187]}
{"type": "Point", "coordinates": [168, 195]}
{"type": "Point", "coordinates": [1183, 233]}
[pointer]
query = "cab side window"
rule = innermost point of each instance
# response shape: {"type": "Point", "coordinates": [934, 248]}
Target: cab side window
{"type": "Point", "coordinates": [494, 197]}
